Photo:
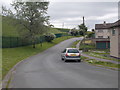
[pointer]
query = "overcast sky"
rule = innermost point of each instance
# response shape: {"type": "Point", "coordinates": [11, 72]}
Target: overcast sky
{"type": "Point", "coordinates": [70, 13]}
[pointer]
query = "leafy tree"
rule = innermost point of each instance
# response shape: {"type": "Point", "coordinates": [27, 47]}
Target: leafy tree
{"type": "Point", "coordinates": [74, 32]}
{"type": "Point", "coordinates": [82, 28]}
{"type": "Point", "coordinates": [32, 18]}
{"type": "Point", "coordinates": [81, 32]}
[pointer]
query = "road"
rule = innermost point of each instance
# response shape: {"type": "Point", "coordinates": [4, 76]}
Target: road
{"type": "Point", "coordinates": [47, 70]}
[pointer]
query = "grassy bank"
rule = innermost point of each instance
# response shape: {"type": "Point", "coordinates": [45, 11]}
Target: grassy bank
{"type": "Point", "coordinates": [91, 50]}
{"type": "Point", "coordinates": [102, 55]}
{"type": "Point", "coordinates": [75, 43]}
{"type": "Point", "coordinates": [102, 63]}
{"type": "Point", "coordinates": [11, 56]}
{"type": "Point", "coordinates": [97, 53]}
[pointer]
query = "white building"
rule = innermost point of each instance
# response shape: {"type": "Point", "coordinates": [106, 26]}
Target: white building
{"type": "Point", "coordinates": [102, 30]}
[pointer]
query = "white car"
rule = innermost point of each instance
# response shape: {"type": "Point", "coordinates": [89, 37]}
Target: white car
{"type": "Point", "coordinates": [71, 54]}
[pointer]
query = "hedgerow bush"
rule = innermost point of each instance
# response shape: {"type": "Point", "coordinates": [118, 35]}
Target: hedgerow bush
{"type": "Point", "coordinates": [49, 37]}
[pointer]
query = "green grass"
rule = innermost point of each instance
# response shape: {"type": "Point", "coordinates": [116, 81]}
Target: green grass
{"type": "Point", "coordinates": [63, 29]}
{"type": "Point", "coordinates": [75, 43]}
{"type": "Point", "coordinates": [11, 56]}
{"type": "Point", "coordinates": [96, 52]}
{"type": "Point", "coordinates": [84, 58]}
{"type": "Point", "coordinates": [54, 30]}
{"type": "Point", "coordinates": [10, 30]}
{"type": "Point", "coordinates": [107, 64]}
{"type": "Point", "coordinates": [82, 46]}
{"type": "Point", "coordinates": [100, 55]}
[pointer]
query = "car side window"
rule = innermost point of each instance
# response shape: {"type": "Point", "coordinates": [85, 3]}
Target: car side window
{"type": "Point", "coordinates": [64, 51]}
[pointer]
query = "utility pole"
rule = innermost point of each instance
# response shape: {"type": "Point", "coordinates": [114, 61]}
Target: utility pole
{"type": "Point", "coordinates": [84, 32]}
{"type": "Point", "coordinates": [83, 21]}
{"type": "Point", "coordinates": [63, 25]}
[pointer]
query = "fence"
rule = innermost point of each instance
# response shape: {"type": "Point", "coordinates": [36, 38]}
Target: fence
{"type": "Point", "coordinates": [10, 42]}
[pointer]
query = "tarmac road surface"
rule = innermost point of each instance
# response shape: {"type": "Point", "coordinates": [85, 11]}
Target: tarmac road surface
{"type": "Point", "coordinates": [47, 70]}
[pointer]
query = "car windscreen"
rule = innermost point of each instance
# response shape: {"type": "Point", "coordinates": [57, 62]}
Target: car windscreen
{"type": "Point", "coordinates": [73, 51]}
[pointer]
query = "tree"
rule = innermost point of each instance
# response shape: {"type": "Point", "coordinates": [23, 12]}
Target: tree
{"type": "Point", "coordinates": [32, 18]}
{"type": "Point", "coordinates": [74, 32]}
{"type": "Point", "coordinates": [81, 32]}
{"type": "Point", "coordinates": [83, 28]}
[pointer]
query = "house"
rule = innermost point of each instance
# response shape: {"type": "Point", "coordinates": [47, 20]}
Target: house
{"type": "Point", "coordinates": [102, 35]}
{"type": "Point", "coordinates": [102, 30]}
{"type": "Point", "coordinates": [115, 39]}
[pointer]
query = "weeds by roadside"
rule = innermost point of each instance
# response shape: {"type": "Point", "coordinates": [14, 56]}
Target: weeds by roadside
{"type": "Point", "coordinates": [102, 63]}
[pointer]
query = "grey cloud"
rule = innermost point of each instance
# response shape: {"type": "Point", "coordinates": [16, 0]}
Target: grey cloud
{"type": "Point", "coordinates": [66, 11]}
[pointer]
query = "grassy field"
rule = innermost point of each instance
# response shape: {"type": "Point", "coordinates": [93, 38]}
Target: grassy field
{"type": "Point", "coordinates": [102, 63]}
{"type": "Point", "coordinates": [9, 29]}
{"type": "Point", "coordinates": [11, 56]}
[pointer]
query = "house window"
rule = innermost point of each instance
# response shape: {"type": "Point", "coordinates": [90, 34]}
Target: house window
{"type": "Point", "coordinates": [100, 36]}
{"type": "Point", "coordinates": [100, 30]}
{"type": "Point", "coordinates": [113, 32]}
{"type": "Point", "coordinates": [109, 31]}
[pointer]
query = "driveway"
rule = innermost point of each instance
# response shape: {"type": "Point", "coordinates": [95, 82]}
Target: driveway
{"type": "Point", "coordinates": [47, 70]}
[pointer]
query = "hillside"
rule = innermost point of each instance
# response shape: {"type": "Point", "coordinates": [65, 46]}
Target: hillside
{"type": "Point", "coordinates": [10, 30]}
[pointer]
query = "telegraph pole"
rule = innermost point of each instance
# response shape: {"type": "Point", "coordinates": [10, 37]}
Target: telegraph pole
{"type": "Point", "coordinates": [83, 21]}
{"type": "Point", "coordinates": [84, 32]}
{"type": "Point", "coordinates": [63, 25]}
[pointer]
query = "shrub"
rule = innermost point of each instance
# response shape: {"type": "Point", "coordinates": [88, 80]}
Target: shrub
{"type": "Point", "coordinates": [73, 32]}
{"type": "Point", "coordinates": [49, 37]}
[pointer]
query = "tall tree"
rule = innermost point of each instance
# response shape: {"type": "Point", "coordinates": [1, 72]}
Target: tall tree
{"type": "Point", "coordinates": [82, 27]}
{"type": "Point", "coordinates": [32, 17]}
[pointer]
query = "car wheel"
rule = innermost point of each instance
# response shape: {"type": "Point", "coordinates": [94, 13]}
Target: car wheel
{"type": "Point", "coordinates": [65, 60]}
{"type": "Point", "coordinates": [79, 60]}
{"type": "Point", "coordinates": [62, 59]}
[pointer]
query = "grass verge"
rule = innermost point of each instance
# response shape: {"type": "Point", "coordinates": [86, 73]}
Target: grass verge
{"type": "Point", "coordinates": [100, 55]}
{"type": "Point", "coordinates": [91, 50]}
{"type": "Point", "coordinates": [11, 56]}
{"type": "Point", "coordinates": [75, 43]}
{"type": "Point", "coordinates": [102, 63]}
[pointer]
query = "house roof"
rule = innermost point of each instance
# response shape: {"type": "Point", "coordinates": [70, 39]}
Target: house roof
{"type": "Point", "coordinates": [116, 24]}
{"type": "Point", "coordinates": [107, 25]}
{"type": "Point", "coordinates": [103, 26]}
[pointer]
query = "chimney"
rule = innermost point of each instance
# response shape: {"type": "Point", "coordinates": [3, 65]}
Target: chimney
{"type": "Point", "coordinates": [104, 23]}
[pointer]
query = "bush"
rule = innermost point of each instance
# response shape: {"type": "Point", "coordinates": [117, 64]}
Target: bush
{"type": "Point", "coordinates": [49, 37]}
{"type": "Point", "coordinates": [90, 34]}
{"type": "Point", "coordinates": [73, 32]}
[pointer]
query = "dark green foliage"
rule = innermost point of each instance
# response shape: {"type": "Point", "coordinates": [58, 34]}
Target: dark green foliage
{"type": "Point", "coordinates": [81, 32]}
{"type": "Point", "coordinates": [32, 18]}
{"type": "Point", "coordinates": [11, 42]}
{"type": "Point", "coordinates": [82, 29]}
{"type": "Point", "coordinates": [49, 37]}
{"type": "Point", "coordinates": [74, 32]}
{"type": "Point", "coordinates": [90, 34]}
